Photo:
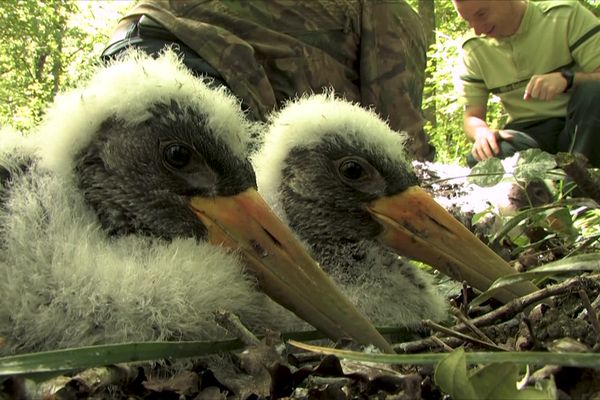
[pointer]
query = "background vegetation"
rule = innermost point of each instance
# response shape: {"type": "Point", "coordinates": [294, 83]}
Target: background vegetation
{"type": "Point", "coordinates": [50, 45]}
{"type": "Point", "coordinates": [440, 101]}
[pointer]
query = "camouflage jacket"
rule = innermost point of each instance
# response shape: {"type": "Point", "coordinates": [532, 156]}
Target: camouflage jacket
{"type": "Point", "coordinates": [268, 51]}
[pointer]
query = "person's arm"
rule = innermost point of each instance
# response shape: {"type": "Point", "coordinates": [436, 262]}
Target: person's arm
{"type": "Point", "coordinates": [584, 42]}
{"type": "Point", "coordinates": [479, 132]}
{"type": "Point", "coordinates": [484, 138]}
{"type": "Point", "coordinates": [581, 77]}
{"type": "Point", "coordinates": [547, 86]}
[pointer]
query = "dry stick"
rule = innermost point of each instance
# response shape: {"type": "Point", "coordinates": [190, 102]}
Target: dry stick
{"type": "Point", "coordinates": [443, 345]}
{"type": "Point", "coordinates": [591, 313]}
{"type": "Point", "coordinates": [515, 306]}
{"type": "Point", "coordinates": [233, 325]}
{"type": "Point", "coordinates": [595, 305]}
{"type": "Point", "coordinates": [432, 325]}
{"type": "Point", "coordinates": [574, 165]}
{"type": "Point", "coordinates": [519, 304]}
{"type": "Point", "coordinates": [470, 325]}
{"type": "Point", "coordinates": [465, 303]}
{"type": "Point", "coordinates": [426, 344]}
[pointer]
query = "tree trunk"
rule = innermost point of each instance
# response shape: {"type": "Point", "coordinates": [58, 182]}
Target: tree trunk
{"type": "Point", "coordinates": [59, 34]}
{"type": "Point", "coordinates": [427, 13]}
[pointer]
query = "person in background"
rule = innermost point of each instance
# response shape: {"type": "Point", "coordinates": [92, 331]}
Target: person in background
{"type": "Point", "coordinates": [269, 51]}
{"type": "Point", "coordinates": [542, 59]}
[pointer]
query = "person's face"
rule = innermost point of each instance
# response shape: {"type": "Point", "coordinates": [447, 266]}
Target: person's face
{"type": "Point", "coordinates": [493, 18]}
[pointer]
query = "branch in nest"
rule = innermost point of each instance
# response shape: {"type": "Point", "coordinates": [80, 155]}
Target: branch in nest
{"type": "Point", "coordinates": [521, 303]}
{"type": "Point", "coordinates": [574, 165]}
{"type": "Point", "coordinates": [499, 314]}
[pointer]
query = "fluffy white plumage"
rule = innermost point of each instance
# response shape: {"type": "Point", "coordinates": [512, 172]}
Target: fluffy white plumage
{"type": "Point", "coordinates": [64, 281]}
{"type": "Point", "coordinates": [125, 90]}
{"type": "Point", "coordinates": [388, 289]}
{"type": "Point", "coordinates": [304, 123]}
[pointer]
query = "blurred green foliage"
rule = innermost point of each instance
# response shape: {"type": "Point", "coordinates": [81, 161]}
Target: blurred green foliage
{"type": "Point", "coordinates": [50, 45]}
{"type": "Point", "coordinates": [445, 130]}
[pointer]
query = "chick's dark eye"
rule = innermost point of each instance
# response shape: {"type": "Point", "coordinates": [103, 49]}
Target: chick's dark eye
{"type": "Point", "coordinates": [177, 156]}
{"type": "Point", "coordinates": [351, 170]}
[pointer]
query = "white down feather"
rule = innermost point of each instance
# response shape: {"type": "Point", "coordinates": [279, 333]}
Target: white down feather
{"type": "Point", "coordinates": [383, 294]}
{"type": "Point", "coordinates": [63, 281]}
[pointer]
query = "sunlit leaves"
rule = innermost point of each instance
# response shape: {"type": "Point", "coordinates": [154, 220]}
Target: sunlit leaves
{"type": "Point", "coordinates": [494, 381]}
{"type": "Point", "coordinates": [487, 173]}
{"type": "Point", "coordinates": [47, 46]}
{"type": "Point", "coordinates": [533, 164]}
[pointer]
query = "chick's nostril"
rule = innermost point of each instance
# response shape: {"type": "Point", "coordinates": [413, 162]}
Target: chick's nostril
{"type": "Point", "coordinates": [276, 242]}
{"type": "Point", "coordinates": [257, 247]}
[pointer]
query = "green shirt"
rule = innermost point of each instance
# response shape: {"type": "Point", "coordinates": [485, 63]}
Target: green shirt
{"type": "Point", "coordinates": [372, 52]}
{"type": "Point", "coordinates": [552, 35]}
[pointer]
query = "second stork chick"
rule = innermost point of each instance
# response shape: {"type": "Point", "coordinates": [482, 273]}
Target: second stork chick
{"type": "Point", "coordinates": [340, 177]}
{"type": "Point", "coordinates": [322, 162]}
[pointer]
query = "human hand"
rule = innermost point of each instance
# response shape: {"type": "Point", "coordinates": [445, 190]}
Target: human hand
{"type": "Point", "coordinates": [545, 87]}
{"type": "Point", "coordinates": [486, 143]}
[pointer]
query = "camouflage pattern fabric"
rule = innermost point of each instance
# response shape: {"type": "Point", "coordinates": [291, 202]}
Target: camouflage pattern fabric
{"type": "Point", "coordinates": [372, 52]}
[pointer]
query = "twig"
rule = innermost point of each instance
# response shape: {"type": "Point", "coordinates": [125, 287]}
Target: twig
{"type": "Point", "coordinates": [432, 325]}
{"type": "Point", "coordinates": [575, 166]}
{"type": "Point", "coordinates": [297, 359]}
{"type": "Point", "coordinates": [428, 343]}
{"type": "Point", "coordinates": [443, 345]}
{"type": "Point", "coordinates": [519, 304]}
{"type": "Point", "coordinates": [465, 303]}
{"type": "Point", "coordinates": [490, 318]}
{"type": "Point", "coordinates": [325, 380]}
{"type": "Point", "coordinates": [470, 325]}
{"type": "Point", "coordinates": [593, 317]}
{"type": "Point", "coordinates": [595, 306]}
{"type": "Point", "coordinates": [233, 325]}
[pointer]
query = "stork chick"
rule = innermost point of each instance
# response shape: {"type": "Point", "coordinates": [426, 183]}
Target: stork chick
{"type": "Point", "coordinates": [340, 177]}
{"type": "Point", "coordinates": [107, 211]}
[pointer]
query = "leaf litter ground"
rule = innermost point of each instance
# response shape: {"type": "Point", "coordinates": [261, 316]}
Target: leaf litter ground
{"type": "Point", "coordinates": [559, 319]}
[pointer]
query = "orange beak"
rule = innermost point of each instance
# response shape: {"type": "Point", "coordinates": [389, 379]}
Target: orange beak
{"type": "Point", "coordinates": [284, 269]}
{"type": "Point", "coordinates": [419, 228]}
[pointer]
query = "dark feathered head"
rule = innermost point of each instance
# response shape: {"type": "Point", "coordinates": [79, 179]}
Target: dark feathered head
{"type": "Point", "coordinates": [105, 232]}
{"type": "Point", "coordinates": [336, 172]}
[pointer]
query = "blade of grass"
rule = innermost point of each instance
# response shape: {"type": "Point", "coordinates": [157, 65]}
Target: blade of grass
{"type": "Point", "coordinates": [588, 360]}
{"type": "Point", "coordinates": [92, 356]}
{"type": "Point", "coordinates": [583, 262]}
{"type": "Point", "coordinates": [64, 360]}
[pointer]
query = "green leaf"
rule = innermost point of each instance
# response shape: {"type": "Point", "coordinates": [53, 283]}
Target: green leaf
{"type": "Point", "coordinates": [512, 223]}
{"type": "Point", "coordinates": [561, 222]}
{"type": "Point", "coordinates": [583, 262]}
{"type": "Point", "coordinates": [533, 164]}
{"type": "Point", "coordinates": [576, 264]}
{"type": "Point", "coordinates": [477, 216]}
{"type": "Point", "coordinates": [548, 386]}
{"type": "Point", "coordinates": [499, 381]}
{"type": "Point", "coordinates": [93, 356]}
{"type": "Point", "coordinates": [451, 376]}
{"type": "Point", "coordinates": [587, 360]}
{"type": "Point", "coordinates": [487, 173]}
